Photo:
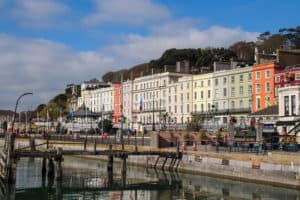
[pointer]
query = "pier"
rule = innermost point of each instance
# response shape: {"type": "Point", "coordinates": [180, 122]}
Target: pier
{"type": "Point", "coordinates": [52, 158]}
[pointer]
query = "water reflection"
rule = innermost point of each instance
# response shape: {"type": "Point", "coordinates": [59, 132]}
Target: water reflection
{"type": "Point", "coordinates": [88, 179]}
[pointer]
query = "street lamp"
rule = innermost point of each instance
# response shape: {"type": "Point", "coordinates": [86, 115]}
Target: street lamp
{"type": "Point", "coordinates": [16, 106]}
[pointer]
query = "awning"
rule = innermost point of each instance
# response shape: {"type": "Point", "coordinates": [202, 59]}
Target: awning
{"type": "Point", "coordinates": [286, 123]}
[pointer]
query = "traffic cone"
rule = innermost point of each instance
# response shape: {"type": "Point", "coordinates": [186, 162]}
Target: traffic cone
{"type": "Point", "coordinates": [183, 147]}
{"type": "Point", "coordinates": [194, 148]}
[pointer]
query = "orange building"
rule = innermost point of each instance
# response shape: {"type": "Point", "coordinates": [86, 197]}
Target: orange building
{"type": "Point", "coordinates": [263, 88]}
{"type": "Point", "coordinates": [117, 103]}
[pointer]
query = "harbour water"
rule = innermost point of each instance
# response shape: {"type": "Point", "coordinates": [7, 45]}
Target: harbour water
{"type": "Point", "coordinates": [87, 179]}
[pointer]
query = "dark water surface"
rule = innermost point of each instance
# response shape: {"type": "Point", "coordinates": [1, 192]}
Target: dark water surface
{"type": "Point", "coordinates": [87, 179]}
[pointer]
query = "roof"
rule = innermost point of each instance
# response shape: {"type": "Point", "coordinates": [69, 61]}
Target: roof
{"type": "Point", "coordinates": [272, 110]}
{"type": "Point", "coordinates": [6, 112]}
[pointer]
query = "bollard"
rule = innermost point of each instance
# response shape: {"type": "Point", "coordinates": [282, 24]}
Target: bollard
{"type": "Point", "coordinates": [44, 161]}
{"type": "Point", "coordinates": [32, 143]}
{"type": "Point", "coordinates": [84, 145]}
{"type": "Point", "coordinates": [95, 147]}
{"type": "Point", "coordinates": [50, 168]}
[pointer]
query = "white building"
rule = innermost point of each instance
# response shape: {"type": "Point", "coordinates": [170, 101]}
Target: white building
{"type": "Point", "coordinates": [153, 97]}
{"type": "Point", "coordinates": [127, 100]}
{"type": "Point", "coordinates": [289, 108]}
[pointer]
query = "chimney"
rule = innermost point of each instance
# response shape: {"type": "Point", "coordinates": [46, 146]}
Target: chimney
{"type": "Point", "coordinates": [165, 68]}
{"type": "Point", "coordinates": [178, 66]}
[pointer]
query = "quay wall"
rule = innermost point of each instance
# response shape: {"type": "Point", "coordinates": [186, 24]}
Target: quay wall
{"type": "Point", "coordinates": [278, 169]}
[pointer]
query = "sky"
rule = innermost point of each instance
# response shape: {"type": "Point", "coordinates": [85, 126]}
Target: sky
{"type": "Point", "coordinates": [47, 44]}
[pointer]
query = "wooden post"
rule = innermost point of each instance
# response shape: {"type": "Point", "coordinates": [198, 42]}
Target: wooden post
{"type": "Point", "coordinates": [58, 164]}
{"type": "Point", "coordinates": [95, 147]}
{"type": "Point", "coordinates": [47, 143]}
{"type": "Point", "coordinates": [50, 168]}
{"type": "Point", "coordinates": [32, 143]}
{"type": "Point", "coordinates": [110, 166]}
{"type": "Point", "coordinates": [84, 145]}
{"type": "Point", "coordinates": [124, 168]}
{"type": "Point", "coordinates": [44, 161]}
{"type": "Point", "coordinates": [10, 162]}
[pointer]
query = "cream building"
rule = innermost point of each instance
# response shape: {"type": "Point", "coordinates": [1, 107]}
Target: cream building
{"type": "Point", "coordinates": [232, 90]}
{"type": "Point", "coordinates": [154, 93]}
{"type": "Point", "coordinates": [202, 93]}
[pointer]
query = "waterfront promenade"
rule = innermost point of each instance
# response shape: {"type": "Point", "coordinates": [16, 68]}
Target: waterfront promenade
{"type": "Point", "coordinates": [269, 167]}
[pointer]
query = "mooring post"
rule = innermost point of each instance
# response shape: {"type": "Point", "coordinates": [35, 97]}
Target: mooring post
{"type": "Point", "coordinates": [47, 143]}
{"type": "Point", "coordinates": [84, 145]}
{"type": "Point", "coordinates": [44, 161]}
{"type": "Point", "coordinates": [10, 162]}
{"type": "Point", "coordinates": [95, 147]}
{"type": "Point", "coordinates": [58, 164]}
{"type": "Point", "coordinates": [124, 168]}
{"type": "Point", "coordinates": [32, 143]}
{"type": "Point", "coordinates": [50, 168]}
{"type": "Point", "coordinates": [110, 166]}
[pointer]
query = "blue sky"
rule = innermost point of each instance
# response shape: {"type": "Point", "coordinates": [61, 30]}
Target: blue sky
{"type": "Point", "coordinates": [46, 44]}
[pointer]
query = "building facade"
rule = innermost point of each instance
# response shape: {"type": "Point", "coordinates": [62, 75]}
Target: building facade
{"type": "Point", "coordinates": [118, 103]}
{"type": "Point", "coordinates": [127, 101]}
{"type": "Point", "coordinates": [263, 85]}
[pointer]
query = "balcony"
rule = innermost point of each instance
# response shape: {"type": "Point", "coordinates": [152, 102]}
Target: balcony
{"type": "Point", "coordinates": [225, 111]}
{"type": "Point", "coordinates": [149, 110]}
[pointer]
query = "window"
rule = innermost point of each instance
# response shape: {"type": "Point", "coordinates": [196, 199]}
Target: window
{"type": "Point", "coordinates": [216, 82]}
{"type": "Point", "coordinates": [175, 89]}
{"type": "Point", "coordinates": [181, 86]}
{"type": "Point", "coordinates": [175, 98]}
{"type": "Point", "coordinates": [216, 105]}
{"type": "Point", "coordinates": [257, 75]}
{"type": "Point", "coordinates": [232, 91]}
{"type": "Point", "coordinates": [201, 83]}
{"type": "Point", "coordinates": [224, 80]}
{"type": "Point", "coordinates": [268, 74]}
{"type": "Point", "coordinates": [169, 109]}
{"type": "Point", "coordinates": [201, 94]}
{"type": "Point", "coordinates": [241, 90]}
{"type": "Point", "coordinates": [250, 103]}
{"type": "Point", "coordinates": [293, 102]}
{"type": "Point", "coordinates": [188, 96]}
{"type": "Point", "coordinates": [249, 89]}
{"type": "Point", "coordinates": [164, 93]}
{"type": "Point", "coordinates": [268, 89]}
{"type": "Point", "coordinates": [164, 82]}
{"type": "Point", "coordinates": [181, 97]}
{"type": "Point", "coordinates": [257, 88]}
{"type": "Point", "coordinates": [249, 76]}
{"type": "Point", "coordinates": [286, 105]}
{"type": "Point", "coordinates": [297, 76]}
{"type": "Point", "coordinates": [232, 104]}
{"type": "Point", "coordinates": [224, 92]}
{"type": "Point", "coordinates": [187, 108]}
{"type": "Point", "coordinates": [232, 79]}
{"type": "Point", "coordinates": [241, 78]}
{"type": "Point", "coordinates": [277, 79]}
{"type": "Point", "coordinates": [241, 104]}
{"type": "Point", "coordinates": [202, 107]}
{"type": "Point", "coordinates": [258, 103]}
{"type": "Point", "coordinates": [195, 107]}
{"type": "Point", "coordinates": [195, 84]}
{"type": "Point", "coordinates": [187, 85]}
{"type": "Point", "coordinates": [175, 109]}
{"type": "Point", "coordinates": [208, 83]}
{"type": "Point", "coordinates": [224, 104]}
{"type": "Point", "coordinates": [208, 94]}
{"type": "Point", "coordinates": [181, 109]}
{"type": "Point", "coordinates": [169, 99]}
{"type": "Point", "coordinates": [195, 95]}
{"type": "Point", "coordinates": [208, 105]}
{"type": "Point", "coordinates": [216, 93]}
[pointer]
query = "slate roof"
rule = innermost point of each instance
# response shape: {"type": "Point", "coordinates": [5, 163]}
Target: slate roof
{"type": "Point", "coordinates": [272, 110]}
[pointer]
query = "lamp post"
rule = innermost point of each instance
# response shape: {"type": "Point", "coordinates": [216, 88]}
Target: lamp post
{"type": "Point", "coordinates": [16, 106]}
{"type": "Point", "coordinates": [153, 123]}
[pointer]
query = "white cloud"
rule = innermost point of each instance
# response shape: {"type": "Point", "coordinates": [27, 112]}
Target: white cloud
{"type": "Point", "coordinates": [39, 13]}
{"type": "Point", "coordinates": [132, 12]}
{"type": "Point", "coordinates": [44, 68]}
